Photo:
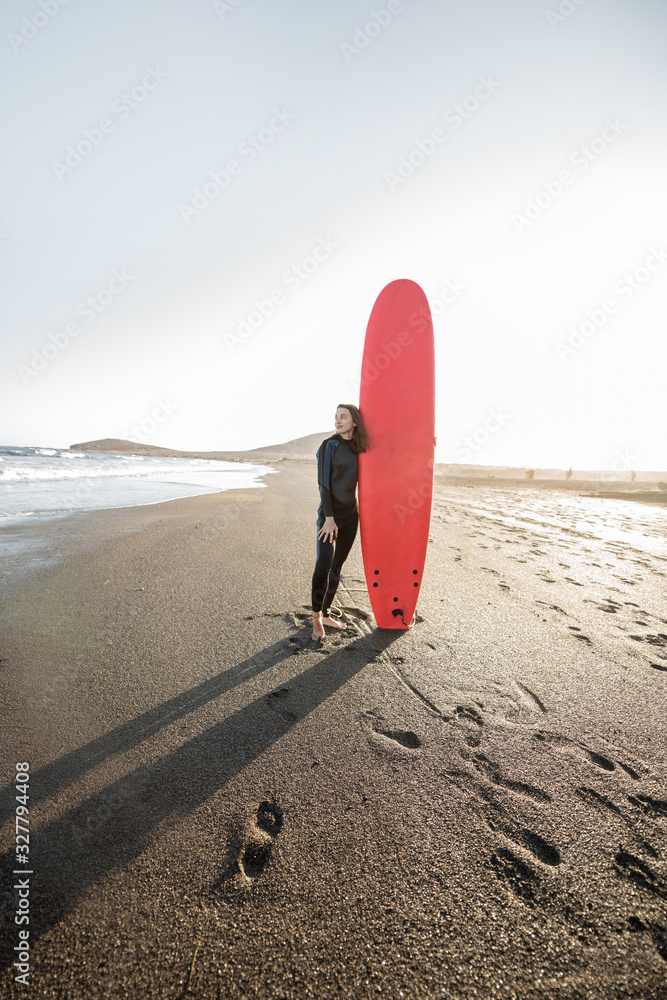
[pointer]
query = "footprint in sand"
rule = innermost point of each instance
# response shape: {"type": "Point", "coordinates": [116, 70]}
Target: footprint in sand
{"type": "Point", "coordinates": [633, 868]}
{"type": "Point", "coordinates": [494, 774]}
{"type": "Point", "coordinates": [258, 843]}
{"type": "Point", "coordinates": [275, 700]}
{"type": "Point", "coordinates": [517, 875]}
{"type": "Point", "coordinates": [564, 742]}
{"type": "Point", "coordinates": [553, 607]}
{"type": "Point", "coordinates": [602, 762]}
{"type": "Point", "coordinates": [540, 848]}
{"type": "Point", "coordinates": [595, 799]}
{"type": "Point", "coordinates": [404, 738]}
{"type": "Point", "coordinates": [578, 634]}
{"type": "Point", "coordinates": [610, 608]}
{"type": "Point", "coordinates": [601, 803]}
{"type": "Point", "coordinates": [650, 807]}
{"type": "Point", "coordinates": [629, 770]}
{"type": "Point", "coordinates": [466, 713]}
{"type": "Point", "coordinates": [657, 932]}
{"type": "Point", "coordinates": [660, 639]}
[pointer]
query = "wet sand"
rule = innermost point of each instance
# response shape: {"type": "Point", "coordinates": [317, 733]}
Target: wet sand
{"type": "Point", "coordinates": [473, 808]}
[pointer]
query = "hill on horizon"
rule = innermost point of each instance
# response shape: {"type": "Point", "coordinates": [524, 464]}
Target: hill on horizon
{"type": "Point", "coordinates": [304, 448]}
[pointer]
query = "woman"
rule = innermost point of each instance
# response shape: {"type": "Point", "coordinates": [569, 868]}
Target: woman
{"type": "Point", "coordinates": [338, 514]}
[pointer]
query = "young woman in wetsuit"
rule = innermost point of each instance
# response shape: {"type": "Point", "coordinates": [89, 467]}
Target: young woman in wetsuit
{"type": "Point", "coordinates": [338, 514]}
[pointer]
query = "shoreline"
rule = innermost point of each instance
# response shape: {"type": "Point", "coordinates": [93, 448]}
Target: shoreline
{"type": "Point", "coordinates": [23, 537]}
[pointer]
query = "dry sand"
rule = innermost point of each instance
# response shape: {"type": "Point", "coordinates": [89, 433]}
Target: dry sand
{"type": "Point", "coordinates": [473, 808]}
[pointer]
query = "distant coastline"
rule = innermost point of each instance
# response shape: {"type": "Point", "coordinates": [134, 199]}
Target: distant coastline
{"type": "Point", "coordinates": [304, 448]}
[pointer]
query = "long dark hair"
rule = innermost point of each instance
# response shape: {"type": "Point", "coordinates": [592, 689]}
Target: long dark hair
{"type": "Point", "coordinates": [360, 440]}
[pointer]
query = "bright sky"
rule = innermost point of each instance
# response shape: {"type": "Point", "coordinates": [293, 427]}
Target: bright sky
{"type": "Point", "coordinates": [175, 169]}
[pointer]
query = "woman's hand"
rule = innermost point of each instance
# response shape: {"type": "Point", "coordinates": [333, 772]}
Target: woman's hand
{"type": "Point", "coordinates": [329, 531]}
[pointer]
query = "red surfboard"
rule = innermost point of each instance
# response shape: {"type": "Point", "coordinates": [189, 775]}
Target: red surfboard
{"type": "Point", "coordinates": [397, 403]}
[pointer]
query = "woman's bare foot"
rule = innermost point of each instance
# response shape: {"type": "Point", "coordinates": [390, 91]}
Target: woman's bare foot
{"type": "Point", "coordinates": [318, 627]}
{"type": "Point", "coordinates": [332, 623]}
{"type": "Point", "coordinates": [319, 622]}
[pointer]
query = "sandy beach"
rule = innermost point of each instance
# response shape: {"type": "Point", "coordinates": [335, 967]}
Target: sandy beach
{"type": "Point", "coordinates": [474, 808]}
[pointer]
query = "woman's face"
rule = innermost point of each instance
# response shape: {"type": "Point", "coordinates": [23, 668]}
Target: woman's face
{"type": "Point", "coordinates": [344, 422]}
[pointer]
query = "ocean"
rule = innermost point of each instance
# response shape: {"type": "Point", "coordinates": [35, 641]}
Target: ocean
{"type": "Point", "coordinates": [49, 482]}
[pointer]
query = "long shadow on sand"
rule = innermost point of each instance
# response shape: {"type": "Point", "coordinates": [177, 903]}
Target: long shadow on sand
{"type": "Point", "coordinates": [68, 857]}
{"type": "Point", "coordinates": [54, 777]}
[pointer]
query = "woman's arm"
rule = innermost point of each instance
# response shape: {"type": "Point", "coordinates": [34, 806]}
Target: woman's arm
{"type": "Point", "coordinates": [324, 457]}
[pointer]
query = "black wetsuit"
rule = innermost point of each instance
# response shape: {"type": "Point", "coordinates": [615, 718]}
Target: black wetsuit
{"type": "Point", "coordinates": [337, 475]}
